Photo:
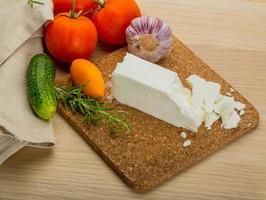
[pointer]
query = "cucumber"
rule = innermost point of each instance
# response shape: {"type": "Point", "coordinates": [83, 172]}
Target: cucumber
{"type": "Point", "coordinates": [40, 84]}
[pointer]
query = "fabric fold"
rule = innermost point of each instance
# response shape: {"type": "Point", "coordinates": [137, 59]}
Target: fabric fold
{"type": "Point", "coordinates": [25, 21]}
{"type": "Point", "coordinates": [20, 39]}
{"type": "Point", "coordinates": [9, 146]}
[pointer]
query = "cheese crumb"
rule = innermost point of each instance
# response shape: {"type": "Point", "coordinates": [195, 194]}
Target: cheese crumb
{"type": "Point", "coordinates": [232, 90]}
{"type": "Point", "coordinates": [242, 112]}
{"type": "Point", "coordinates": [110, 98]}
{"type": "Point", "coordinates": [183, 135]}
{"type": "Point", "coordinates": [239, 106]}
{"type": "Point", "coordinates": [229, 94]}
{"type": "Point", "coordinates": [187, 143]}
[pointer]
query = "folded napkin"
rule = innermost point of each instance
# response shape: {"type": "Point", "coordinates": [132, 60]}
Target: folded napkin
{"type": "Point", "coordinates": [20, 39]}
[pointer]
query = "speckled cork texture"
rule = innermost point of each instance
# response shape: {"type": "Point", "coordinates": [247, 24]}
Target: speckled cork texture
{"type": "Point", "coordinates": [154, 151]}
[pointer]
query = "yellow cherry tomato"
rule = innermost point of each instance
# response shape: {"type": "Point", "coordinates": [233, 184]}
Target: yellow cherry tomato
{"type": "Point", "coordinates": [85, 72]}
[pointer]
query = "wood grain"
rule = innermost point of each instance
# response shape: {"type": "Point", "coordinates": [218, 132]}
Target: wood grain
{"type": "Point", "coordinates": [230, 37]}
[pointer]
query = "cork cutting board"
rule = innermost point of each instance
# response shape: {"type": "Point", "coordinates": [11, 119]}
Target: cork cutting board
{"type": "Point", "coordinates": [153, 152]}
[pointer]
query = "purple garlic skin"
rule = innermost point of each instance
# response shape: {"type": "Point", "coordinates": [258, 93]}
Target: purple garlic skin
{"type": "Point", "coordinates": [149, 38]}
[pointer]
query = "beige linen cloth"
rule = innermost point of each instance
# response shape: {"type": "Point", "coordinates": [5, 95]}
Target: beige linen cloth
{"type": "Point", "coordinates": [20, 39]}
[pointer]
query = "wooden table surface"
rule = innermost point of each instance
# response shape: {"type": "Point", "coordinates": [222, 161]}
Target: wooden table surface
{"type": "Point", "coordinates": [230, 35]}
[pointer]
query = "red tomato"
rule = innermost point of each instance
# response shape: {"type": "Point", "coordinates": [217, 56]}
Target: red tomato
{"type": "Point", "coordinates": [66, 5]}
{"type": "Point", "coordinates": [70, 38]}
{"type": "Point", "coordinates": [113, 18]}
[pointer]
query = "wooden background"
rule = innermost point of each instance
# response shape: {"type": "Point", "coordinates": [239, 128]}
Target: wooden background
{"type": "Point", "coordinates": [230, 35]}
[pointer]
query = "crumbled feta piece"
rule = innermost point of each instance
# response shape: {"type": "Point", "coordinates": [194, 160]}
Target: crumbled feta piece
{"type": "Point", "coordinates": [206, 97]}
{"type": "Point", "coordinates": [242, 112]}
{"type": "Point", "coordinates": [110, 98]}
{"type": "Point", "coordinates": [183, 135]}
{"type": "Point", "coordinates": [231, 121]}
{"type": "Point", "coordinates": [239, 106]}
{"type": "Point", "coordinates": [204, 93]}
{"type": "Point", "coordinates": [212, 95]}
{"type": "Point", "coordinates": [187, 143]}
{"type": "Point", "coordinates": [210, 118]}
{"type": "Point", "coordinates": [224, 105]}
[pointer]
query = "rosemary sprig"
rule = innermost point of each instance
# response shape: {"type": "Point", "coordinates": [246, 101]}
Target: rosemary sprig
{"type": "Point", "coordinates": [32, 2]}
{"type": "Point", "coordinates": [95, 112]}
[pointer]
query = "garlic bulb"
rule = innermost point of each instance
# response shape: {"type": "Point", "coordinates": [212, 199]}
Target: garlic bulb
{"type": "Point", "coordinates": [149, 38]}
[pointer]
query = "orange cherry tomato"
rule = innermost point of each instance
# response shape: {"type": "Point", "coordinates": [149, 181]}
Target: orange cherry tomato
{"type": "Point", "coordinates": [70, 38]}
{"type": "Point", "coordinates": [113, 18]}
{"type": "Point", "coordinates": [85, 72]}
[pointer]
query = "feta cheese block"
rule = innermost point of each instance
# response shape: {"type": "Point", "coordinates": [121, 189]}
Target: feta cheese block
{"type": "Point", "coordinates": [156, 91]}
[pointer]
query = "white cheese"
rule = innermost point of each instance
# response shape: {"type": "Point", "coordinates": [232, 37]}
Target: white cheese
{"type": "Point", "coordinates": [239, 106]}
{"type": "Point", "coordinates": [224, 105]}
{"type": "Point", "coordinates": [229, 94]}
{"type": "Point", "coordinates": [204, 93]}
{"type": "Point", "coordinates": [206, 96]}
{"type": "Point", "coordinates": [183, 135]}
{"type": "Point", "coordinates": [210, 118]}
{"type": "Point", "coordinates": [231, 121]}
{"type": "Point", "coordinates": [187, 143]}
{"type": "Point", "coordinates": [159, 92]}
{"type": "Point", "coordinates": [199, 90]}
{"type": "Point", "coordinates": [242, 112]}
{"type": "Point", "coordinates": [110, 98]}
{"type": "Point", "coordinates": [156, 91]}
{"type": "Point", "coordinates": [232, 90]}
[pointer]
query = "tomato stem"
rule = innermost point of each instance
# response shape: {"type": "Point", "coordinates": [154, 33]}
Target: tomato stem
{"type": "Point", "coordinates": [72, 14]}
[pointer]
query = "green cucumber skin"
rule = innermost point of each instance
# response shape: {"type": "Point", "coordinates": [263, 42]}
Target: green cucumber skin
{"type": "Point", "coordinates": [40, 84]}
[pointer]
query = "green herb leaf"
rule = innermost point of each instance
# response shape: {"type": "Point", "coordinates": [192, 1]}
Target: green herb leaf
{"type": "Point", "coordinates": [95, 112]}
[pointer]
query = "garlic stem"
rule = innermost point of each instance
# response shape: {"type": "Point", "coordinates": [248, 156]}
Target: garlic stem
{"type": "Point", "coordinates": [148, 42]}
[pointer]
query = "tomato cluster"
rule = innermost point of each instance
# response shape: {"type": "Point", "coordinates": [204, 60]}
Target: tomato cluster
{"type": "Point", "coordinates": [79, 24]}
